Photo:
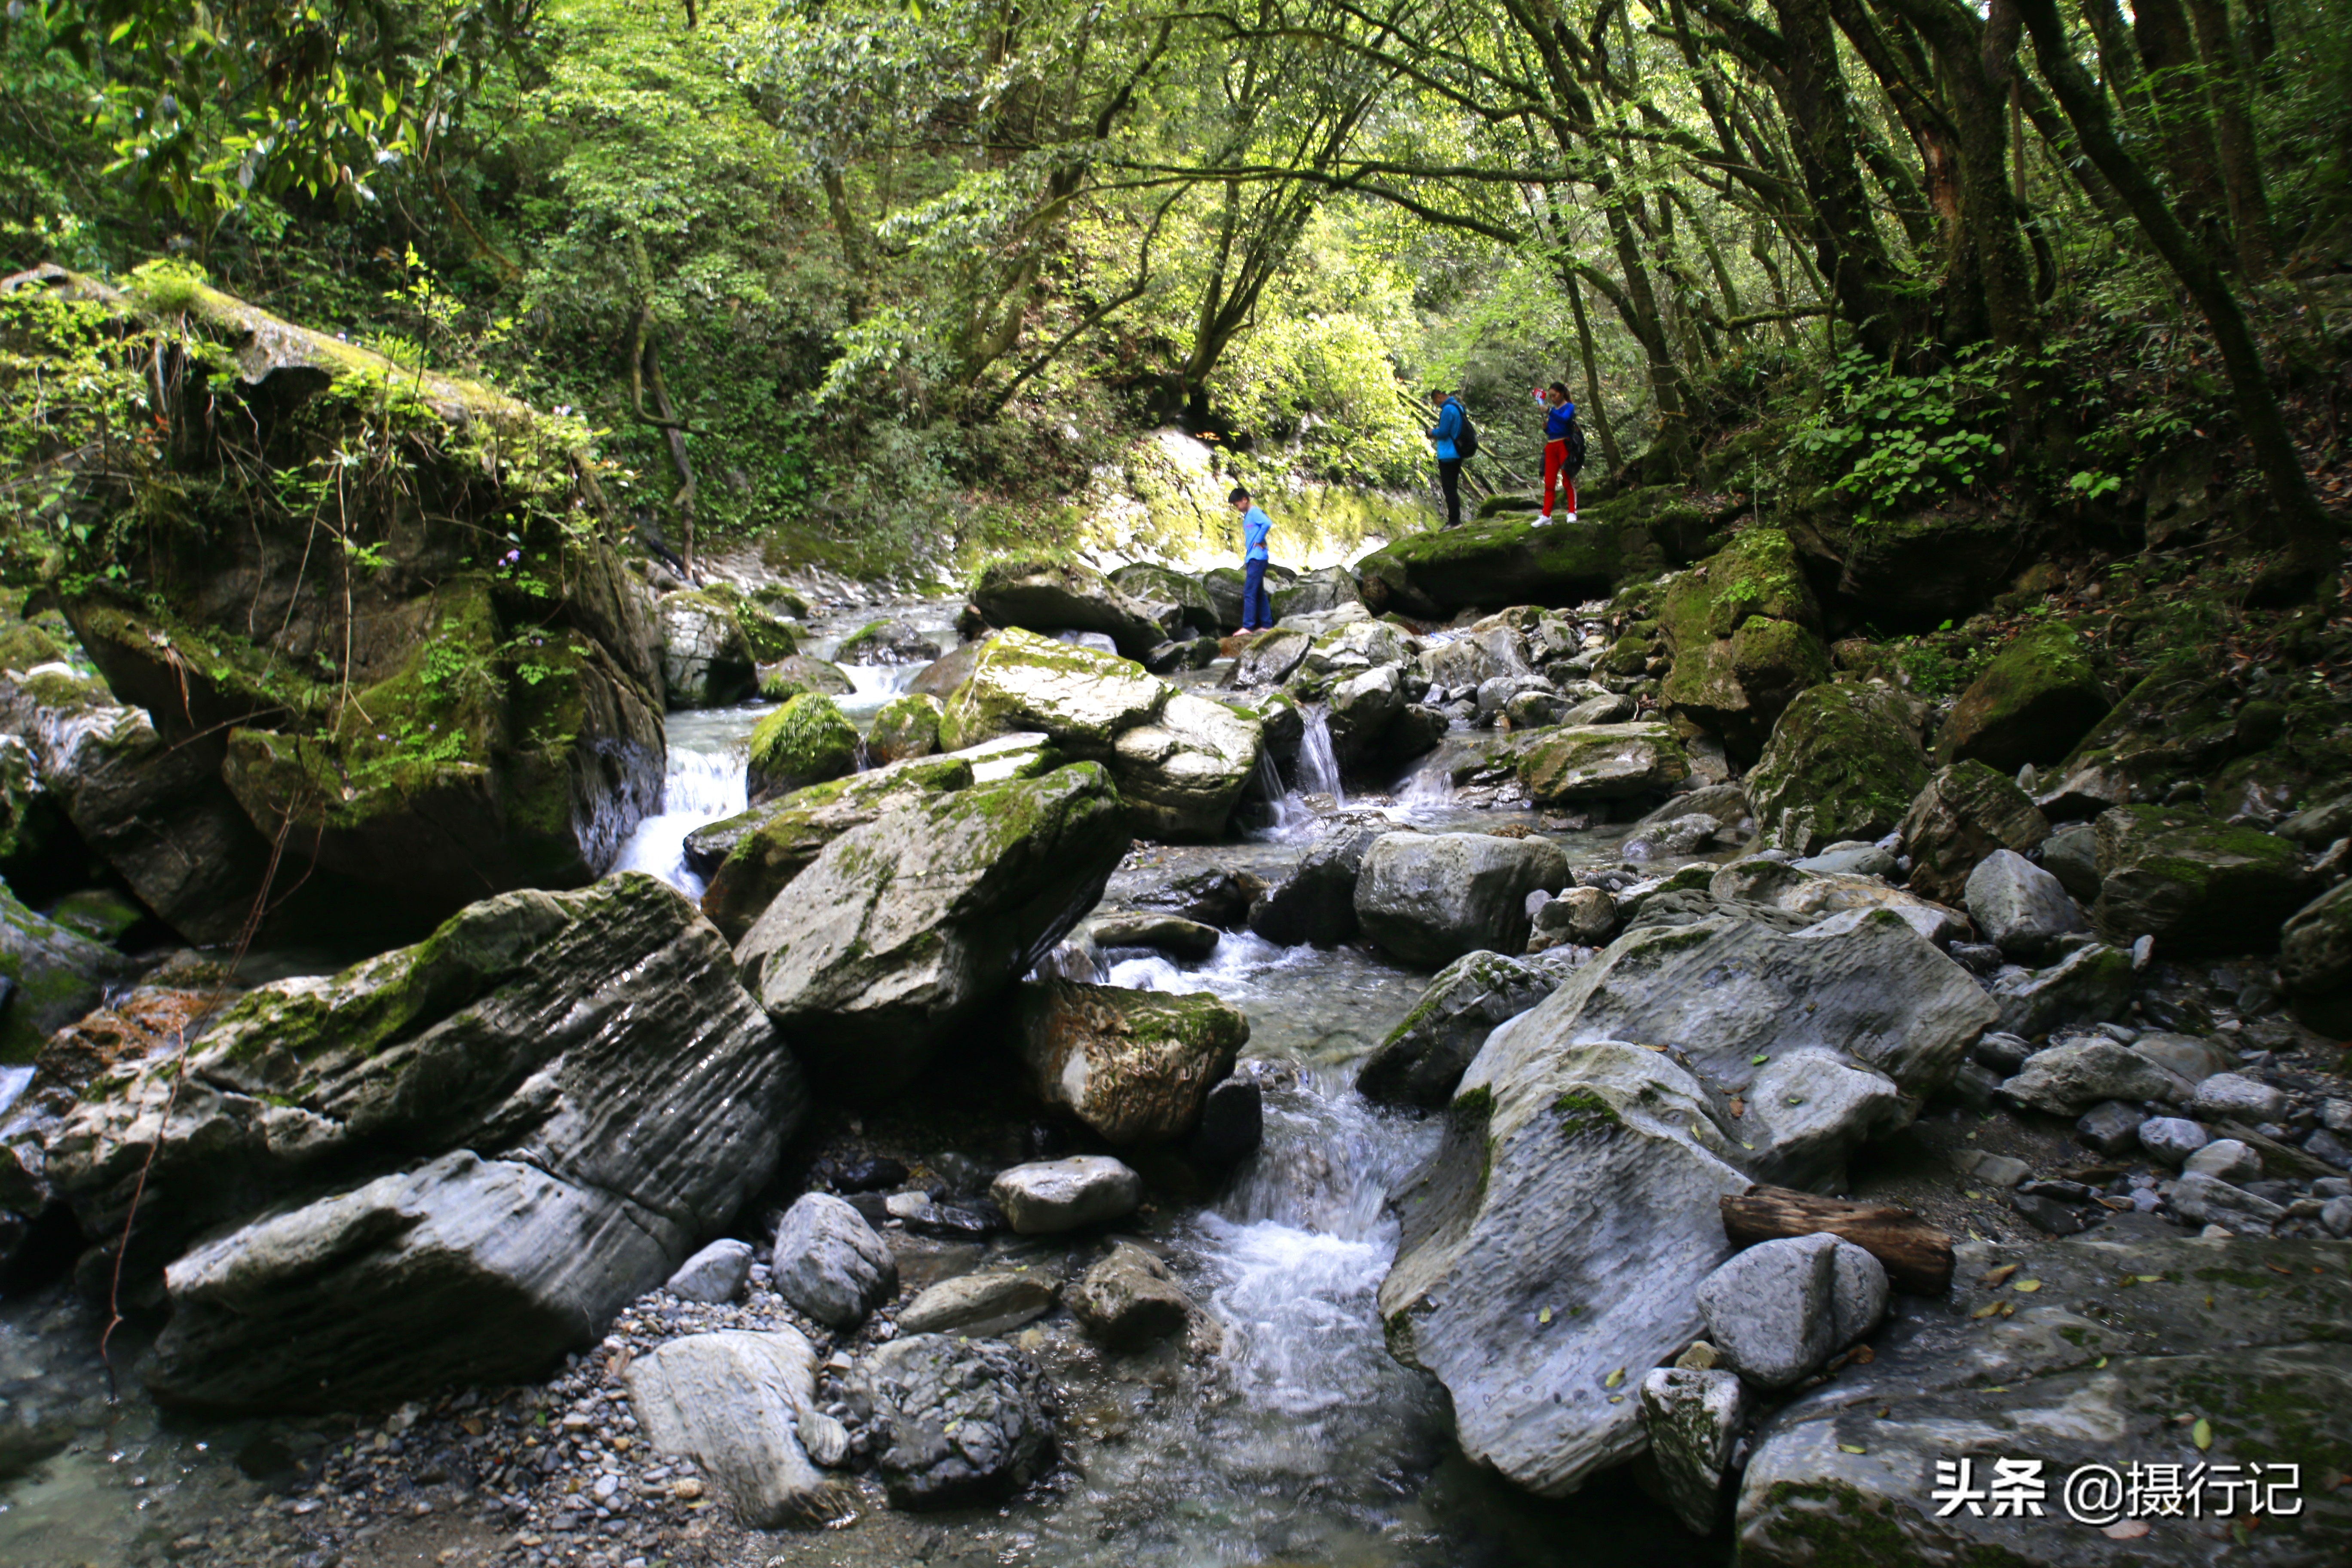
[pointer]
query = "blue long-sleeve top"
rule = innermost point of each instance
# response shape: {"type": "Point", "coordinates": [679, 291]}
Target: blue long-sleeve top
{"type": "Point", "coordinates": [1449, 425]}
{"type": "Point", "coordinates": [1255, 526]}
{"type": "Point", "coordinates": [1557, 422]}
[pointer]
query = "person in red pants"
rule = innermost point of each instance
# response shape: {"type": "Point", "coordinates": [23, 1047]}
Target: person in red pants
{"type": "Point", "coordinates": [1563, 457]}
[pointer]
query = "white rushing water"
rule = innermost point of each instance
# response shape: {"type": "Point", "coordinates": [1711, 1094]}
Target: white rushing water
{"type": "Point", "coordinates": [1318, 762]}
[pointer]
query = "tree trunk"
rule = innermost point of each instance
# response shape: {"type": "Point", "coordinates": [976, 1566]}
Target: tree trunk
{"type": "Point", "coordinates": [2233, 135]}
{"type": "Point", "coordinates": [2313, 546]}
{"type": "Point", "coordinates": [2168, 54]}
{"type": "Point", "coordinates": [1610, 459]}
{"type": "Point", "coordinates": [1918, 1255]}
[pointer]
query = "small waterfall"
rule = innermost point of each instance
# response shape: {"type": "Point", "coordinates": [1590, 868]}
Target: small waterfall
{"type": "Point", "coordinates": [1431, 786]}
{"type": "Point", "coordinates": [701, 787]}
{"type": "Point", "coordinates": [1292, 819]}
{"type": "Point", "coordinates": [1318, 764]}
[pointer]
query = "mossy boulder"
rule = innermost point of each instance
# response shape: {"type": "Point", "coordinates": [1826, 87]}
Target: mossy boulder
{"type": "Point", "coordinates": [891, 943]}
{"type": "Point", "coordinates": [1578, 764]}
{"type": "Point", "coordinates": [796, 673]}
{"type": "Point", "coordinates": [1745, 635]}
{"type": "Point", "coordinates": [1151, 585]}
{"type": "Point", "coordinates": [321, 667]}
{"type": "Point", "coordinates": [2198, 885]}
{"type": "Point", "coordinates": [2038, 698]}
{"type": "Point", "coordinates": [1081, 696]}
{"type": "Point", "coordinates": [54, 974]}
{"type": "Point", "coordinates": [805, 741]}
{"type": "Point", "coordinates": [2316, 961]}
{"type": "Point", "coordinates": [1843, 762]}
{"type": "Point", "coordinates": [1966, 812]}
{"type": "Point", "coordinates": [1912, 573]}
{"type": "Point", "coordinates": [1504, 562]}
{"type": "Point", "coordinates": [707, 660]}
{"type": "Point", "coordinates": [905, 727]}
{"type": "Point", "coordinates": [1133, 1066]}
{"type": "Point", "coordinates": [749, 858]}
{"type": "Point", "coordinates": [2177, 725]}
{"type": "Point", "coordinates": [1324, 589]}
{"type": "Point", "coordinates": [887, 642]}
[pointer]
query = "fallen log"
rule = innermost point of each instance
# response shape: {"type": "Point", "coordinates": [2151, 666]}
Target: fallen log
{"type": "Point", "coordinates": [1918, 1255]}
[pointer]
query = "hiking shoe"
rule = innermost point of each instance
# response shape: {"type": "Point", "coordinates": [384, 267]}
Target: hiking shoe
{"type": "Point", "coordinates": [1541, 518]}
{"type": "Point", "coordinates": [1571, 517]}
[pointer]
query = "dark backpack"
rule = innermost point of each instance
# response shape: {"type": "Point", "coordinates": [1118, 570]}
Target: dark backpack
{"type": "Point", "coordinates": [1465, 444]}
{"type": "Point", "coordinates": [1575, 439]}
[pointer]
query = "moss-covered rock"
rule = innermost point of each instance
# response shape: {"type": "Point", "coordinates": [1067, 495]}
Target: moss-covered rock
{"type": "Point", "coordinates": [751, 858]}
{"type": "Point", "coordinates": [2037, 699]}
{"type": "Point", "coordinates": [706, 658]}
{"type": "Point", "coordinates": [1504, 563]}
{"type": "Point", "coordinates": [805, 741]}
{"type": "Point", "coordinates": [2316, 961]}
{"type": "Point", "coordinates": [55, 975]}
{"type": "Point", "coordinates": [1966, 813]}
{"type": "Point", "coordinates": [887, 642]}
{"type": "Point", "coordinates": [1581, 763]}
{"type": "Point", "coordinates": [1744, 632]}
{"type": "Point", "coordinates": [1134, 1065]}
{"type": "Point", "coordinates": [1082, 698]}
{"type": "Point", "coordinates": [1912, 573]}
{"type": "Point", "coordinates": [2198, 885]}
{"type": "Point", "coordinates": [2177, 725]}
{"type": "Point", "coordinates": [905, 727]}
{"type": "Point", "coordinates": [1058, 596]}
{"type": "Point", "coordinates": [1843, 762]}
{"type": "Point", "coordinates": [796, 673]}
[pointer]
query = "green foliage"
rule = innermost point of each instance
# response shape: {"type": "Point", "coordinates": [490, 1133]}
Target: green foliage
{"type": "Point", "coordinates": [1893, 443]}
{"type": "Point", "coordinates": [1326, 387]}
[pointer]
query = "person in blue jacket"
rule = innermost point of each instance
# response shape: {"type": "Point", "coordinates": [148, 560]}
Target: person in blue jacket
{"type": "Point", "coordinates": [1449, 461]}
{"type": "Point", "coordinates": [1258, 611]}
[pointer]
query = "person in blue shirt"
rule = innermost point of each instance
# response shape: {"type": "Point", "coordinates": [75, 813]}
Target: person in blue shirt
{"type": "Point", "coordinates": [1559, 421]}
{"type": "Point", "coordinates": [1449, 460]}
{"type": "Point", "coordinates": [1258, 611]}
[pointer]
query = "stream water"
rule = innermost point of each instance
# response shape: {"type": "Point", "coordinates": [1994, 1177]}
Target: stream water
{"type": "Point", "coordinates": [1297, 1440]}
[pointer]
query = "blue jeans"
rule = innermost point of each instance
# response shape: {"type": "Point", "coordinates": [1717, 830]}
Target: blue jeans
{"type": "Point", "coordinates": [1258, 611]}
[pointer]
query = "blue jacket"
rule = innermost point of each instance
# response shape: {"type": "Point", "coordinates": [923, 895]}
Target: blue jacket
{"type": "Point", "coordinates": [1255, 526]}
{"type": "Point", "coordinates": [1449, 425]}
{"type": "Point", "coordinates": [1557, 422]}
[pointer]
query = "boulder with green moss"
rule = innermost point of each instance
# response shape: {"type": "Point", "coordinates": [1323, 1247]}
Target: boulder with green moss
{"type": "Point", "coordinates": [2177, 725]}
{"type": "Point", "coordinates": [1916, 571]}
{"type": "Point", "coordinates": [1055, 595]}
{"type": "Point", "coordinates": [759, 852]}
{"type": "Point", "coordinates": [1744, 633]}
{"type": "Point", "coordinates": [1576, 764]}
{"type": "Point", "coordinates": [905, 727]}
{"type": "Point", "coordinates": [2033, 702]}
{"type": "Point", "coordinates": [887, 947]}
{"type": "Point", "coordinates": [805, 741]}
{"type": "Point", "coordinates": [1966, 812]}
{"type": "Point", "coordinates": [451, 689]}
{"type": "Point", "coordinates": [1180, 760]}
{"type": "Point", "coordinates": [1844, 762]}
{"type": "Point", "coordinates": [2316, 961]}
{"type": "Point", "coordinates": [1503, 562]}
{"type": "Point", "coordinates": [795, 673]}
{"type": "Point", "coordinates": [887, 642]}
{"type": "Point", "coordinates": [54, 975]}
{"type": "Point", "coordinates": [1134, 1065]}
{"type": "Point", "coordinates": [2206, 1334]}
{"type": "Point", "coordinates": [591, 1087]}
{"type": "Point", "coordinates": [2197, 885]}
{"type": "Point", "coordinates": [1154, 585]}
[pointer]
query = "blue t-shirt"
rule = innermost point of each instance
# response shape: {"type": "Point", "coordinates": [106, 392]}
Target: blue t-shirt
{"type": "Point", "coordinates": [1557, 422]}
{"type": "Point", "coordinates": [1449, 425]}
{"type": "Point", "coordinates": [1255, 526]}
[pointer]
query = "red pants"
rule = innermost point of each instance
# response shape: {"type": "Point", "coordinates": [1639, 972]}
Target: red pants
{"type": "Point", "coordinates": [1554, 455]}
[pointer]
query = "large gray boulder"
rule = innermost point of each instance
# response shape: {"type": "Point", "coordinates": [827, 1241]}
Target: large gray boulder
{"type": "Point", "coordinates": [1049, 596]}
{"type": "Point", "coordinates": [1161, 588]}
{"type": "Point", "coordinates": [1050, 1195]}
{"type": "Point", "coordinates": [830, 1263]}
{"type": "Point", "coordinates": [2020, 908]}
{"type": "Point", "coordinates": [2068, 1079]}
{"type": "Point", "coordinates": [1548, 1252]}
{"type": "Point", "coordinates": [1315, 901]}
{"type": "Point", "coordinates": [1809, 1109]}
{"type": "Point", "coordinates": [1844, 762]}
{"type": "Point", "coordinates": [1268, 657]}
{"type": "Point", "coordinates": [1724, 991]}
{"type": "Point", "coordinates": [463, 1270]}
{"type": "Point", "coordinates": [1817, 896]}
{"type": "Point", "coordinates": [2077, 1371]}
{"type": "Point", "coordinates": [2089, 985]}
{"type": "Point", "coordinates": [1134, 1065]}
{"type": "Point", "coordinates": [891, 942]}
{"type": "Point", "coordinates": [744, 1407]}
{"type": "Point", "coordinates": [1580, 765]}
{"type": "Point", "coordinates": [980, 1305]}
{"type": "Point", "coordinates": [2316, 961]}
{"type": "Point", "coordinates": [959, 1421]}
{"type": "Point", "coordinates": [706, 659]}
{"type": "Point", "coordinates": [1431, 898]}
{"type": "Point", "coordinates": [593, 1049]}
{"type": "Point", "coordinates": [1423, 1057]}
{"type": "Point", "coordinates": [1780, 1310]}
